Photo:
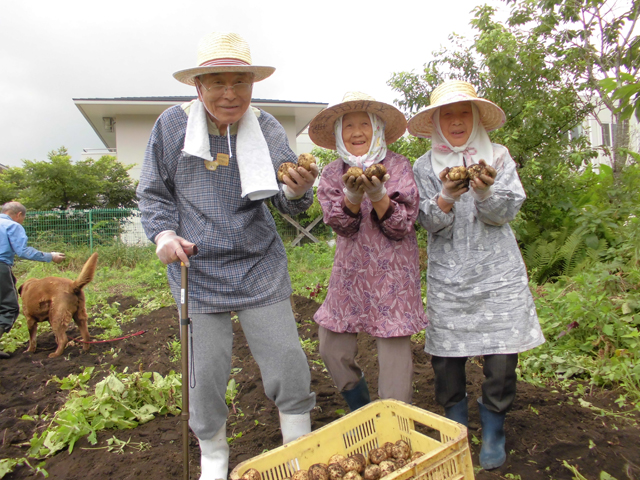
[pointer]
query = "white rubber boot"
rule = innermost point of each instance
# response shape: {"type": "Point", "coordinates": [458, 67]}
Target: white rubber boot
{"type": "Point", "coordinates": [214, 458]}
{"type": "Point", "coordinates": [294, 426]}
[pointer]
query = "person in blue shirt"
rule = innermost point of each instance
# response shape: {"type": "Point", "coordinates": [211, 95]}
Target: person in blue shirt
{"type": "Point", "coordinates": [13, 241]}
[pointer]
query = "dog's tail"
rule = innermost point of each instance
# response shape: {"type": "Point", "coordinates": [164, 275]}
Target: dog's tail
{"type": "Point", "coordinates": [87, 273]}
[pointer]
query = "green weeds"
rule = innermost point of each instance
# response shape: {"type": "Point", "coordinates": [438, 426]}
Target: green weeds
{"type": "Point", "coordinates": [119, 401]}
{"type": "Point", "coordinates": [310, 269]}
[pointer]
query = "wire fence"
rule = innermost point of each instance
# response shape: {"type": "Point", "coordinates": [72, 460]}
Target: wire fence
{"type": "Point", "coordinates": [98, 227]}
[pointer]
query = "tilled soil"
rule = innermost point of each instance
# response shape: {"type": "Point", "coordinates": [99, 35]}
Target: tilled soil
{"type": "Point", "coordinates": [545, 428]}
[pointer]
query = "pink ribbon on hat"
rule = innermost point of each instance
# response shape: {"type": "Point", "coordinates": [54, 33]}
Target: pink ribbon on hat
{"type": "Point", "coordinates": [466, 153]}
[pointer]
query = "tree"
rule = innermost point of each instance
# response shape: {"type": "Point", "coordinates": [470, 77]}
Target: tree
{"type": "Point", "coordinates": [12, 181]}
{"type": "Point", "coordinates": [521, 74]}
{"type": "Point", "coordinates": [60, 184]}
{"type": "Point", "coordinates": [599, 52]}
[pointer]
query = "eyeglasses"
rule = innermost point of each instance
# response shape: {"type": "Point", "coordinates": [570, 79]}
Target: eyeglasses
{"type": "Point", "coordinates": [219, 90]}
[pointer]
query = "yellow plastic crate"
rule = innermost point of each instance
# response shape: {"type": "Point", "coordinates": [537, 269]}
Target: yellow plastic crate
{"type": "Point", "coordinates": [370, 427]}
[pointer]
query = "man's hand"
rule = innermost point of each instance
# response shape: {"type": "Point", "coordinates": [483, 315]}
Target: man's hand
{"type": "Point", "coordinates": [57, 257]}
{"type": "Point", "coordinates": [171, 248]}
{"type": "Point", "coordinates": [300, 180]}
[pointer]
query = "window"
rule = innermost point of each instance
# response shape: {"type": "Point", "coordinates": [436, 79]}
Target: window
{"type": "Point", "coordinates": [606, 135]}
{"type": "Point", "coordinates": [577, 132]}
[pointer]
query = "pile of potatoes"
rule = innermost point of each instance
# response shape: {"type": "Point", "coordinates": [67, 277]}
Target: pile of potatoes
{"type": "Point", "coordinates": [382, 461]}
{"type": "Point", "coordinates": [466, 174]}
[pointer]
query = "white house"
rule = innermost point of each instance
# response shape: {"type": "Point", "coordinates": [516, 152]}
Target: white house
{"type": "Point", "coordinates": [124, 124]}
{"type": "Point", "coordinates": [601, 131]}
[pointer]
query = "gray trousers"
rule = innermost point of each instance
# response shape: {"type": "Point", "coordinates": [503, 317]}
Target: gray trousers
{"type": "Point", "coordinates": [9, 306]}
{"type": "Point", "coordinates": [339, 350]}
{"type": "Point", "coordinates": [273, 340]}
{"type": "Point", "coordinates": [498, 387]}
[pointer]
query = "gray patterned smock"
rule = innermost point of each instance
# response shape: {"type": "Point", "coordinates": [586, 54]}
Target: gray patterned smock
{"type": "Point", "coordinates": [241, 261]}
{"type": "Point", "coordinates": [478, 297]}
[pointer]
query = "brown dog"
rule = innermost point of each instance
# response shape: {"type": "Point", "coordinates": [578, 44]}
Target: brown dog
{"type": "Point", "coordinates": [57, 300]}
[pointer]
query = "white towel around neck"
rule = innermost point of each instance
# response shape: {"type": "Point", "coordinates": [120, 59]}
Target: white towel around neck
{"type": "Point", "coordinates": [257, 175]}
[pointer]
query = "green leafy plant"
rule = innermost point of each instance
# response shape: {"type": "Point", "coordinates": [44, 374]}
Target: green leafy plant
{"type": "Point", "coordinates": [120, 401]}
{"type": "Point", "coordinates": [308, 345]}
{"type": "Point", "coordinates": [7, 465]}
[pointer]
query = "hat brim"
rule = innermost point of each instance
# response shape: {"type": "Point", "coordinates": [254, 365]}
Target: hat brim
{"type": "Point", "coordinates": [491, 115]}
{"type": "Point", "coordinates": [321, 128]}
{"type": "Point", "coordinates": [259, 73]}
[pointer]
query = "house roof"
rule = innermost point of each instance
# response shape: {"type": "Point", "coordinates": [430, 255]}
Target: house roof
{"type": "Point", "coordinates": [95, 110]}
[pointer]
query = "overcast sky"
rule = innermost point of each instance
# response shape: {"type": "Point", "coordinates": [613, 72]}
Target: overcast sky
{"type": "Point", "coordinates": [54, 51]}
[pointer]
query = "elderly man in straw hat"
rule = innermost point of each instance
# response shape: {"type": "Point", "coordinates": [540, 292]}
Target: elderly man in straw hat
{"type": "Point", "coordinates": [209, 165]}
{"type": "Point", "coordinates": [375, 281]}
{"type": "Point", "coordinates": [478, 297]}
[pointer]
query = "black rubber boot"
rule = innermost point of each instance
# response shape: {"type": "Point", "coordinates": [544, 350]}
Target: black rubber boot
{"type": "Point", "coordinates": [492, 454]}
{"type": "Point", "coordinates": [459, 412]}
{"type": "Point", "coordinates": [357, 397]}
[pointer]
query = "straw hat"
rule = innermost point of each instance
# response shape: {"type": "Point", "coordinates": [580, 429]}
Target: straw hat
{"type": "Point", "coordinates": [454, 91]}
{"type": "Point", "coordinates": [223, 52]}
{"type": "Point", "coordinates": [321, 128]}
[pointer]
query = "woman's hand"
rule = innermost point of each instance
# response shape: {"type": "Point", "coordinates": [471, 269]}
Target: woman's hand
{"type": "Point", "coordinates": [483, 182]}
{"type": "Point", "coordinates": [375, 188]}
{"type": "Point", "coordinates": [452, 190]}
{"type": "Point", "coordinates": [353, 188]}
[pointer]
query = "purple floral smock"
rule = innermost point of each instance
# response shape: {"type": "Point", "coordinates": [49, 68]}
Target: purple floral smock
{"type": "Point", "coordinates": [375, 280]}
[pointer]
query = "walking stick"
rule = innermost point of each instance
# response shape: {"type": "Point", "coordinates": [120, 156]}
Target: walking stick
{"type": "Point", "coordinates": [185, 324]}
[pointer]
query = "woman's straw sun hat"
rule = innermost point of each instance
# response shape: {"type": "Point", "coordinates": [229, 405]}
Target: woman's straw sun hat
{"type": "Point", "coordinates": [321, 128]}
{"type": "Point", "coordinates": [453, 91]}
{"type": "Point", "coordinates": [221, 52]}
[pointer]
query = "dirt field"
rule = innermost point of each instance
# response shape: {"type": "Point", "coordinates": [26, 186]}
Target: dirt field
{"type": "Point", "coordinates": [545, 428]}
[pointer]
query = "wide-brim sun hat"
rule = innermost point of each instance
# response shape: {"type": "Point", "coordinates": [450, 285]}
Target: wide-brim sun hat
{"type": "Point", "coordinates": [221, 52]}
{"type": "Point", "coordinates": [454, 91]}
{"type": "Point", "coordinates": [321, 128]}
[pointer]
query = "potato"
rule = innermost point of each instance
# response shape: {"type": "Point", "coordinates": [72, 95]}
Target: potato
{"type": "Point", "coordinates": [388, 448]}
{"type": "Point", "coordinates": [337, 458]}
{"type": "Point", "coordinates": [360, 460]}
{"type": "Point", "coordinates": [474, 171]}
{"type": "Point", "coordinates": [305, 160]}
{"type": "Point", "coordinates": [375, 170]}
{"type": "Point", "coordinates": [251, 474]}
{"type": "Point", "coordinates": [416, 455]}
{"type": "Point", "coordinates": [350, 464]}
{"type": "Point", "coordinates": [300, 475]}
{"type": "Point", "coordinates": [336, 472]}
{"type": "Point", "coordinates": [387, 467]}
{"type": "Point", "coordinates": [318, 471]}
{"type": "Point", "coordinates": [400, 462]}
{"type": "Point", "coordinates": [372, 472]}
{"type": "Point", "coordinates": [283, 170]}
{"type": "Point", "coordinates": [354, 172]}
{"type": "Point", "coordinates": [458, 173]}
{"type": "Point", "coordinates": [377, 455]}
{"type": "Point", "coordinates": [401, 450]}
{"type": "Point", "coordinates": [352, 475]}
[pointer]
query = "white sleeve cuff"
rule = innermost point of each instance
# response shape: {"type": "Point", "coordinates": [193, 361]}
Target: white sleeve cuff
{"type": "Point", "coordinates": [481, 197]}
{"type": "Point", "coordinates": [289, 194]}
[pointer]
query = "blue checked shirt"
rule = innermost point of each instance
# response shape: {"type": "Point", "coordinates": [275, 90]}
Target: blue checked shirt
{"type": "Point", "coordinates": [13, 241]}
{"type": "Point", "coordinates": [241, 261]}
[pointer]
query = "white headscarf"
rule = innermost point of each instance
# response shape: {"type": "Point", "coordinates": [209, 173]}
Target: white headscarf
{"type": "Point", "coordinates": [478, 146]}
{"type": "Point", "coordinates": [377, 150]}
